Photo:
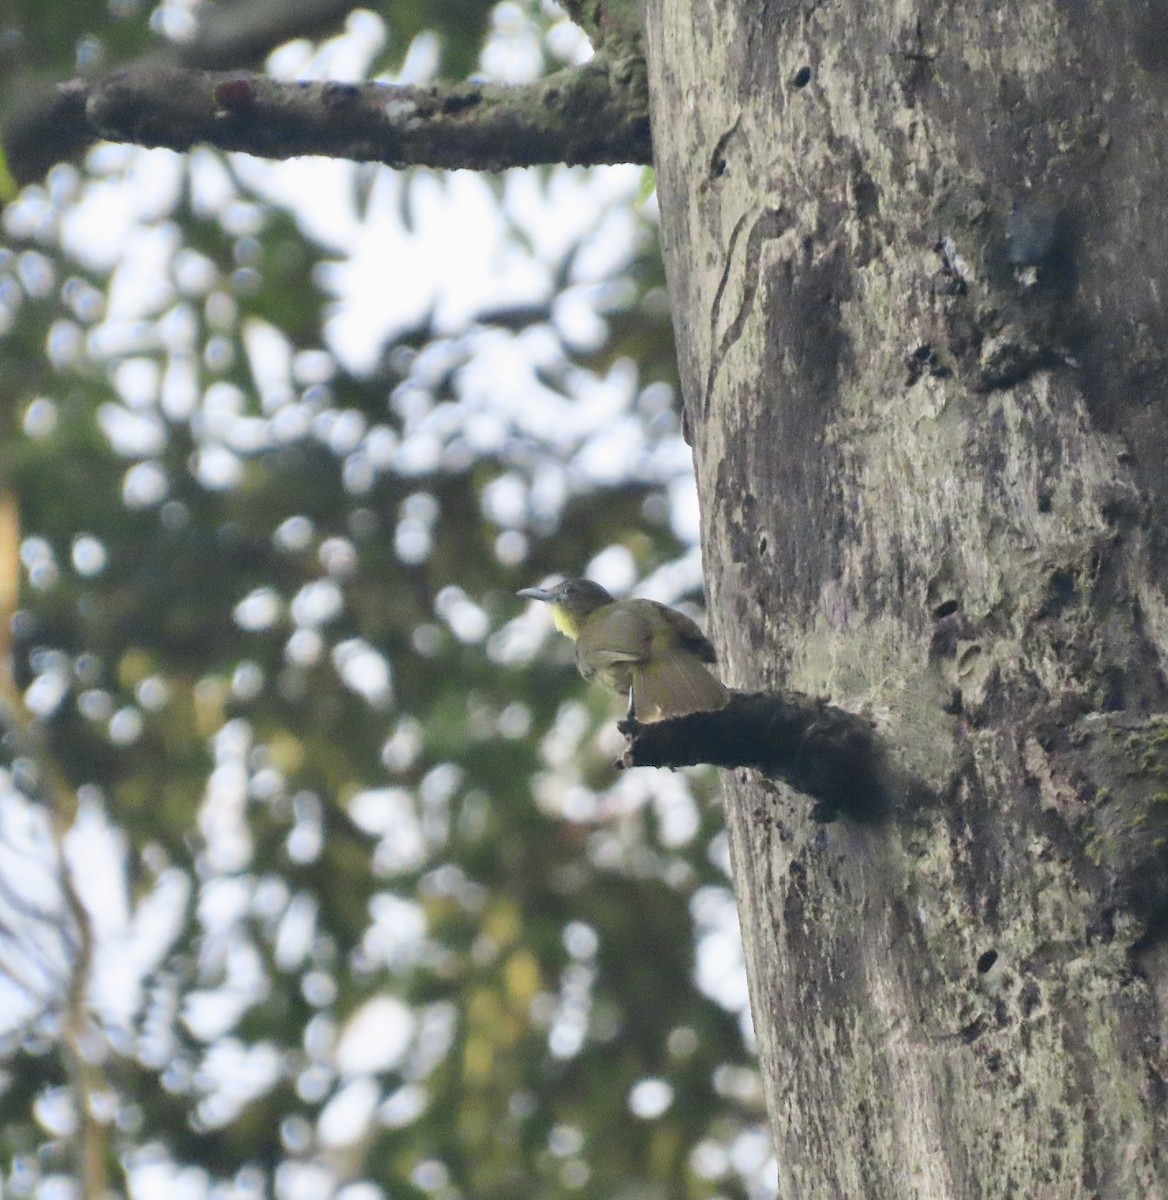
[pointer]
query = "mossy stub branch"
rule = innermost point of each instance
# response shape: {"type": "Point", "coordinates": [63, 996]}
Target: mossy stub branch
{"type": "Point", "coordinates": [829, 754]}
{"type": "Point", "coordinates": [586, 115]}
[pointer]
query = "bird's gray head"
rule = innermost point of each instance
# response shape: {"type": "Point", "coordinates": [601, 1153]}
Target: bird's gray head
{"type": "Point", "coordinates": [575, 598]}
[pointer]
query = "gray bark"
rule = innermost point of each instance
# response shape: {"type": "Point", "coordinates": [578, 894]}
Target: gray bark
{"type": "Point", "coordinates": [916, 255]}
{"type": "Point", "coordinates": [581, 115]}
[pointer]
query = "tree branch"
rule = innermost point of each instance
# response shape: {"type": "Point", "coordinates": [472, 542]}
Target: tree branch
{"type": "Point", "coordinates": [48, 128]}
{"type": "Point", "coordinates": [583, 115]}
{"type": "Point", "coordinates": [44, 125]}
{"type": "Point", "coordinates": [832, 755]}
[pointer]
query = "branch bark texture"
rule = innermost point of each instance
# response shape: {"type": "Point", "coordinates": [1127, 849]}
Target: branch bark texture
{"type": "Point", "coordinates": [596, 113]}
{"type": "Point", "coordinates": [45, 124]}
{"type": "Point", "coordinates": [828, 754]}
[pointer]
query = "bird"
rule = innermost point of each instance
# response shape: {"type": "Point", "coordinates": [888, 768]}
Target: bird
{"type": "Point", "coordinates": [645, 650]}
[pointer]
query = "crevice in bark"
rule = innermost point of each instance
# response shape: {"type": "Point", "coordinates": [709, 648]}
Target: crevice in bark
{"type": "Point", "coordinates": [770, 224]}
{"type": "Point", "coordinates": [1008, 285]}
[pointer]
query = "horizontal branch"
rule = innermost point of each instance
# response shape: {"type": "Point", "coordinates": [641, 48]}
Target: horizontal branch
{"type": "Point", "coordinates": [825, 752]}
{"type": "Point", "coordinates": [44, 125]}
{"type": "Point", "coordinates": [583, 115]}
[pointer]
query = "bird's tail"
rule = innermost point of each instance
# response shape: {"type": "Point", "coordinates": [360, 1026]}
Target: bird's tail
{"type": "Point", "coordinates": [674, 685]}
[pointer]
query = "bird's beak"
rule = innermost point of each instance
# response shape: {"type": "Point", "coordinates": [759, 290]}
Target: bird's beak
{"type": "Point", "coordinates": [535, 594]}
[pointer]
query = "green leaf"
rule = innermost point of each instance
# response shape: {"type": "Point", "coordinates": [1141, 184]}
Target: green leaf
{"type": "Point", "coordinates": [9, 188]}
{"type": "Point", "coordinates": [648, 186]}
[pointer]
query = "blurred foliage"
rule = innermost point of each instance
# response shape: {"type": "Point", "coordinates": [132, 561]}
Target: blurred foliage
{"type": "Point", "coordinates": [374, 914]}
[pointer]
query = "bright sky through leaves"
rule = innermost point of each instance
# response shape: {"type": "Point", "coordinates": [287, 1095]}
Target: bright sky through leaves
{"type": "Point", "coordinates": [362, 880]}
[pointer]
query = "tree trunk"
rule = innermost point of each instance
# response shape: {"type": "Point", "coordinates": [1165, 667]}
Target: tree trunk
{"type": "Point", "coordinates": [916, 254]}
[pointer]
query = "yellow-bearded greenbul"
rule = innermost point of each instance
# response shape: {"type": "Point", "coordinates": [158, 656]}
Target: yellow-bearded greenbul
{"type": "Point", "coordinates": [653, 654]}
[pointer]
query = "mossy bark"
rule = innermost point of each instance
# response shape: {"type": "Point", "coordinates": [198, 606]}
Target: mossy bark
{"type": "Point", "coordinates": [916, 254]}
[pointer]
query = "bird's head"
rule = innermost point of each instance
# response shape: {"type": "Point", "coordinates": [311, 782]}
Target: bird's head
{"type": "Point", "coordinates": [571, 601]}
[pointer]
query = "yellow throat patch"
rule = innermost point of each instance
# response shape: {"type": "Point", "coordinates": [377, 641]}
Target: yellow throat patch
{"type": "Point", "coordinates": [565, 622]}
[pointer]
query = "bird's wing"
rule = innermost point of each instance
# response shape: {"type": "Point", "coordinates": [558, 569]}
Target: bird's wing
{"type": "Point", "coordinates": [689, 635]}
{"type": "Point", "coordinates": [618, 633]}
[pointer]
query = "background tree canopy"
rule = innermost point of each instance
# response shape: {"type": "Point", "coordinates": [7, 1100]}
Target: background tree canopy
{"type": "Point", "coordinates": [316, 876]}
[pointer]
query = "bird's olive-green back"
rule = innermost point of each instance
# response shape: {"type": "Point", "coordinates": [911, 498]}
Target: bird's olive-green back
{"type": "Point", "coordinates": [637, 631]}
